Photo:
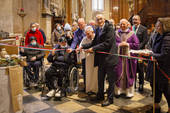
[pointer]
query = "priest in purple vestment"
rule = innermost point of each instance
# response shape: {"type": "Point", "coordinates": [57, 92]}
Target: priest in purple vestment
{"type": "Point", "coordinates": [126, 68]}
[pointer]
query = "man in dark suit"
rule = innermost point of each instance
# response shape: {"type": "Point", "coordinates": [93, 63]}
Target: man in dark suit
{"type": "Point", "coordinates": [141, 33]}
{"type": "Point", "coordinates": [104, 41]}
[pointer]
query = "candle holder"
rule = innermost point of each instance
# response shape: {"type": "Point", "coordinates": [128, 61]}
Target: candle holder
{"type": "Point", "coordinates": [21, 13]}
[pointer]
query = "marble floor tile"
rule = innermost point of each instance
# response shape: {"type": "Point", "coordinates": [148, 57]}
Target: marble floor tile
{"type": "Point", "coordinates": [134, 105]}
{"type": "Point", "coordinates": [37, 95]}
{"type": "Point", "coordinates": [53, 102]}
{"type": "Point", "coordinates": [113, 107]}
{"type": "Point", "coordinates": [25, 93]}
{"type": "Point", "coordinates": [85, 111]}
{"type": "Point", "coordinates": [122, 101]}
{"type": "Point", "coordinates": [69, 107]}
{"type": "Point", "coordinates": [35, 107]}
{"type": "Point", "coordinates": [49, 110]}
{"type": "Point", "coordinates": [99, 109]}
{"type": "Point", "coordinates": [29, 99]}
{"type": "Point", "coordinates": [137, 97]}
{"type": "Point", "coordinates": [84, 103]}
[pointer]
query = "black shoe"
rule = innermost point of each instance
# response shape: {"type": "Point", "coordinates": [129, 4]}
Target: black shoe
{"type": "Point", "coordinates": [82, 90]}
{"type": "Point", "coordinates": [107, 103]}
{"type": "Point", "coordinates": [97, 99]}
{"type": "Point", "coordinates": [117, 96]}
{"type": "Point", "coordinates": [140, 89]}
{"type": "Point", "coordinates": [100, 98]}
{"type": "Point", "coordinates": [90, 93]}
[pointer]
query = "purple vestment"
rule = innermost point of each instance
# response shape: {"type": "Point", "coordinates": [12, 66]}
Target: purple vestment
{"type": "Point", "coordinates": [126, 68]}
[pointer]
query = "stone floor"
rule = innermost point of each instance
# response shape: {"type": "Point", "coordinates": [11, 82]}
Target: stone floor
{"type": "Point", "coordinates": [79, 103]}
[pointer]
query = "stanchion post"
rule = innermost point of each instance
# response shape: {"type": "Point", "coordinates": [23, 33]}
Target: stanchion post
{"type": "Point", "coordinates": [154, 86]}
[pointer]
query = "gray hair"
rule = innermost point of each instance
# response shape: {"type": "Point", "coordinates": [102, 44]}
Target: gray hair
{"type": "Point", "coordinates": [37, 24]}
{"type": "Point", "coordinates": [137, 17]}
{"type": "Point", "coordinates": [88, 28]}
{"type": "Point", "coordinates": [81, 20]}
{"type": "Point", "coordinates": [32, 23]}
{"type": "Point", "coordinates": [124, 20]}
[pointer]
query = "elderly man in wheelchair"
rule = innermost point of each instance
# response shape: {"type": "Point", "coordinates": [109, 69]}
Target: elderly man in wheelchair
{"type": "Point", "coordinates": [34, 58]}
{"type": "Point", "coordinates": [63, 72]}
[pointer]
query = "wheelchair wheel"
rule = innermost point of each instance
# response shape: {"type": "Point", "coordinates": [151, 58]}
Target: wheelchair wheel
{"type": "Point", "coordinates": [73, 79]}
{"type": "Point", "coordinates": [41, 75]}
{"type": "Point", "coordinates": [26, 79]}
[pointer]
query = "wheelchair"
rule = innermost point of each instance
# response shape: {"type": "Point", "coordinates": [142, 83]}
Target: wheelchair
{"type": "Point", "coordinates": [27, 78]}
{"type": "Point", "coordinates": [70, 77]}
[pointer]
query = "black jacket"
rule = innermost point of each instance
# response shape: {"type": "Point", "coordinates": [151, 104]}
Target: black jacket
{"type": "Point", "coordinates": [61, 56]}
{"type": "Point", "coordinates": [43, 34]}
{"type": "Point", "coordinates": [106, 42]}
{"type": "Point", "coordinates": [142, 36]}
{"type": "Point", "coordinates": [29, 53]}
{"type": "Point", "coordinates": [163, 57]}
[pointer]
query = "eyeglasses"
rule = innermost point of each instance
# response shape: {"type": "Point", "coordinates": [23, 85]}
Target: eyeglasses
{"type": "Point", "coordinates": [98, 19]}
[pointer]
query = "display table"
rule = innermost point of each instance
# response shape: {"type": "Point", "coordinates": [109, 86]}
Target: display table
{"type": "Point", "coordinates": [11, 89]}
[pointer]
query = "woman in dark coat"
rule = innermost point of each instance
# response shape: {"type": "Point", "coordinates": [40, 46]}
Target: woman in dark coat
{"type": "Point", "coordinates": [161, 52]}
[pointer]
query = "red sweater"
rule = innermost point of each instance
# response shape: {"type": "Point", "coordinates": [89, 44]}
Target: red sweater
{"type": "Point", "coordinates": [37, 34]}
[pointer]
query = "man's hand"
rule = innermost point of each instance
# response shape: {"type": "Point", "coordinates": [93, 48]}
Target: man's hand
{"type": "Point", "coordinates": [123, 44]}
{"type": "Point", "coordinates": [90, 50]}
{"type": "Point", "coordinates": [79, 49]}
{"type": "Point", "coordinates": [69, 50]}
{"type": "Point", "coordinates": [22, 50]}
{"type": "Point", "coordinates": [53, 52]}
{"type": "Point", "coordinates": [144, 54]}
{"type": "Point", "coordinates": [33, 58]}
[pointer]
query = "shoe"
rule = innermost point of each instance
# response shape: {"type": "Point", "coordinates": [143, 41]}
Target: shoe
{"type": "Point", "coordinates": [58, 94]}
{"type": "Point", "coordinates": [32, 84]}
{"type": "Point", "coordinates": [107, 103]}
{"type": "Point", "coordinates": [140, 89]}
{"type": "Point", "coordinates": [51, 93]}
{"type": "Point", "coordinates": [129, 95]}
{"type": "Point", "coordinates": [97, 99]}
{"type": "Point", "coordinates": [90, 93]}
{"type": "Point", "coordinates": [117, 96]}
{"type": "Point", "coordinates": [82, 90]}
{"type": "Point", "coordinates": [100, 98]}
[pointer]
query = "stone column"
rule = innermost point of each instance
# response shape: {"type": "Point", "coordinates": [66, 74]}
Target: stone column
{"type": "Point", "coordinates": [46, 6]}
{"type": "Point", "coordinates": [46, 25]}
{"type": "Point", "coordinates": [6, 15]}
{"type": "Point", "coordinates": [46, 18]}
{"type": "Point", "coordinates": [69, 11]}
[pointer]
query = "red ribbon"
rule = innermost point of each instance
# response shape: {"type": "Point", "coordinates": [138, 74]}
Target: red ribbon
{"type": "Point", "coordinates": [167, 76]}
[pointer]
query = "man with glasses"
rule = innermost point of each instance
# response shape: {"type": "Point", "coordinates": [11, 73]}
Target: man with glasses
{"type": "Point", "coordinates": [78, 36]}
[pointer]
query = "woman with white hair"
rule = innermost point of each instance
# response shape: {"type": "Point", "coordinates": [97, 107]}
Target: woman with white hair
{"type": "Point", "coordinates": [91, 71]}
{"type": "Point", "coordinates": [126, 68]}
{"type": "Point", "coordinates": [68, 33]}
